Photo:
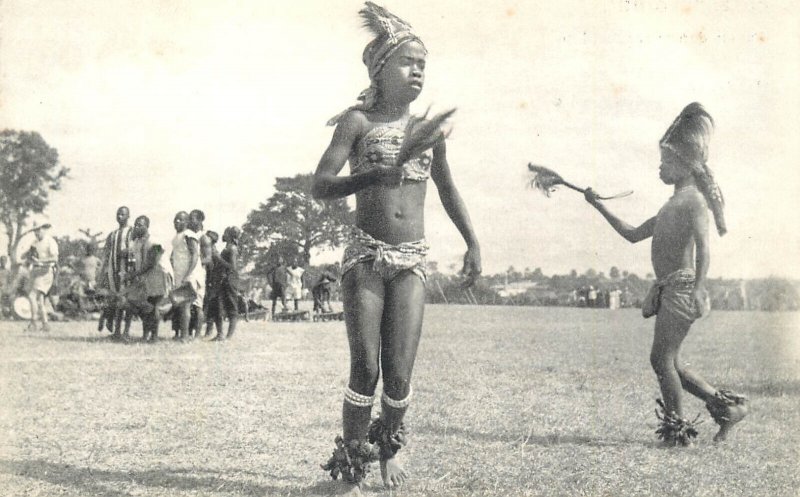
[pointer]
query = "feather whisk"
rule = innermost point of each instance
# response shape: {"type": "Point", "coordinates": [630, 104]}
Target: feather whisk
{"type": "Point", "coordinates": [421, 134]}
{"type": "Point", "coordinates": [546, 180]}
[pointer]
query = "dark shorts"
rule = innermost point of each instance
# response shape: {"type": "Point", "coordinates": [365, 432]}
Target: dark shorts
{"type": "Point", "coordinates": [223, 304]}
{"type": "Point", "coordinates": [277, 292]}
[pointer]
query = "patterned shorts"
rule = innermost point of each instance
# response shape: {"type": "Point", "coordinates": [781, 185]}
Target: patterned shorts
{"type": "Point", "coordinates": [387, 259]}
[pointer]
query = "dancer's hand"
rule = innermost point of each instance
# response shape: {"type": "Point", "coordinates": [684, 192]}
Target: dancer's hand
{"type": "Point", "coordinates": [591, 197]}
{"type": "Point", "coordinates": [701, 301]}
{"type": "Point", "coordinates": [422, 134]}
{"type": "Point", "coordinates": [472, 266]}
{"type": "Point", "coordinates": [389, 176]}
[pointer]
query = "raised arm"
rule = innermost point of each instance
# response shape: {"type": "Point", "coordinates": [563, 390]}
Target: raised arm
{"type": "Point", "coordinates": [327, 183]}
{"type": "Point", "coordinates": [628, 232]}
{"type": "Point", "coordinates": [457, 211]}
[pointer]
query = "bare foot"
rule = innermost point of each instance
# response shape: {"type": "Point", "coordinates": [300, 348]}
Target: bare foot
{"type": "Point", "coordinates": [393, 473]}
{"type": "Point", "coordinates": [727, 409]}
{"type": "Point", "coordinates": [733, 415]}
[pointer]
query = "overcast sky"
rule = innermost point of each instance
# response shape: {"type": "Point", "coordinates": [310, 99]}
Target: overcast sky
{"type": "Point", "coordinates": [170, 105]}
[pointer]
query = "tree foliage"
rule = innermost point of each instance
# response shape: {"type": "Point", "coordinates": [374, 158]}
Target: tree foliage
{"type": "Point", "coordinates": [29, 171]}
{"type": "Point", "coordinates": [291, 222]}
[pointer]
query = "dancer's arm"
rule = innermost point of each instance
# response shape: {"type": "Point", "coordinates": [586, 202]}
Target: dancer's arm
{"type": "Point", "coordinates": [327, 184]}
{"type": "Point", "coordinates": [628, 232]}
{"type": "Point", "coordinates": [457, 211]}
{"type": "Point", "coordinates": [699, 217]}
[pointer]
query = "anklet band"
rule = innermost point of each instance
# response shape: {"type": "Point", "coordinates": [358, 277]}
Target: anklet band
{"type": "Point", "coordinates": [357, 399]}
{"type": "Point", "coordinates": [397, 404]}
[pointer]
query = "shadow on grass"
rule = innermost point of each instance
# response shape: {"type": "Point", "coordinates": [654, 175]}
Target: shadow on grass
{"type": "Point", "coordinates": [98, 338]}
{"type": "Point", "coordinates": [93, 482]}
{"type": "Point", "coordinates": [71, 338]}
{"type": "Point", "coordinates": [544, 439]}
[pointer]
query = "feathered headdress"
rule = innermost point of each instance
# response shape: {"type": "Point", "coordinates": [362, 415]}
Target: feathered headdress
{"type": "Point", "coordinates": [689, 137]}
{"type": "Point", "coordinates": [689, 134]}
{"type": "Point", "coordinates": [390, 33]}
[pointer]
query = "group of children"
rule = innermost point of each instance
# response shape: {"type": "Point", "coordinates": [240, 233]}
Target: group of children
{"type": "Point", "coordinates": [392, 154]}
{"type": "Point", "coordinates": [197, 286]}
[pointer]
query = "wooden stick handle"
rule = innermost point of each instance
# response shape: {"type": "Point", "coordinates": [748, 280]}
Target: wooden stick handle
{"type": "Point", "coordinates": [611, 197]}
{"type": "Point", "coordinates": [570, 185]}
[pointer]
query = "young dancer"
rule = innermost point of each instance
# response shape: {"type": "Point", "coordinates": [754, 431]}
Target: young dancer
{"type": "Point", "coordinates": [383, 270]}
{"type": "Point", "coordinates": [681, 258]}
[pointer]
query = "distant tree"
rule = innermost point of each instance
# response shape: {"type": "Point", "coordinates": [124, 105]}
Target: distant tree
{"type": "Point", "coordinates": [590, 274]}
{"type": "Point", "coordinates": [29, 171]}
{"type": "Point", "coordinates": [94, 238]}
{"type": "Point", "coordinates": [773, 294]}
{"type": "Point", "coordinates": [513, 274]}
{"type": "Point", "coordinates": [70, 248]}
{"type": "Point", "coordinates": [267, 259]}
{"type": "Point", "coordinates": [537, 274]}
{"type": "Point", "coordinates": [573, 273]}
{"type": "Point", "coordinates": [613, 272]}
{"type": "Point", "coordinates": [291, 216]}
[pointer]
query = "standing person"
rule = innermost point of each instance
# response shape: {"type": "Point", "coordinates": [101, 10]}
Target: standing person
{"type": "Point", "coordinates": [90, 265]}
{"type": "Point", "coordinates": [277, 281]}
{"type": "Point", "coordinates": [680, 256]}
{"type": "Point", "coordinates": [226, 284]}
{"type": "Point", "coordinates": [115, 267]}
{"type": "Point", "coordinates": [211, 290]}
{"type": "Point", "coordinates": [384, 268]}
{"type": "Point", "coordinates": [150, 275]}
{"type": "Point", "coordinates": [44, 257]}
{"type": "Point", "coordinates": [321, 292]}
{"type": "Point", "coordinates": [187, 272]}
{"type": "Point", "coordinates": [294, 283]}
{"type": "Point", "coordinates": [196, 218]}
{"type": "Point", "coordinates": [591, 296]}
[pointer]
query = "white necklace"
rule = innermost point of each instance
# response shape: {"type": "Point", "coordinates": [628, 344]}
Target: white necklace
{"type": "Point", "coordinates": [683, 189]}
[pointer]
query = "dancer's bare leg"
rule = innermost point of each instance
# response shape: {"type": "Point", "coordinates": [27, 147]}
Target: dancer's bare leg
{"type": "Point", "coordinates": [362, 295]}
{"type": "Point", "coordinates": [400, 331]}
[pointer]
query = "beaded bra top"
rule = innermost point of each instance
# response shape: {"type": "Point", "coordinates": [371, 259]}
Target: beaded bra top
{"type": "Point", "coordinates": [380, 146]}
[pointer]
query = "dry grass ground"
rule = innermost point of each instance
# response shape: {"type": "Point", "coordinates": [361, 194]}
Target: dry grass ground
{"type": "Point", "coordinates": [508, 401]}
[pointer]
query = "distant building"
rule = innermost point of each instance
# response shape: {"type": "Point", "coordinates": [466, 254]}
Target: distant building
{"type": "Point", "coordinates": [514, 289]}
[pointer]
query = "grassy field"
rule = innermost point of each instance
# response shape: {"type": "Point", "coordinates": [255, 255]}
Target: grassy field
{"type": "Point", "coordinates": [508, 401]}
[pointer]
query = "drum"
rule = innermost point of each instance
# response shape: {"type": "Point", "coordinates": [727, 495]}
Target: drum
{"type": "Point", "coordinates": [21, 308]}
